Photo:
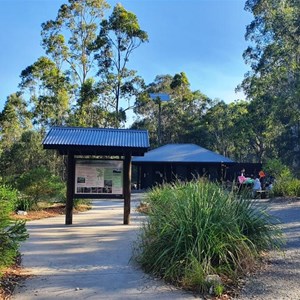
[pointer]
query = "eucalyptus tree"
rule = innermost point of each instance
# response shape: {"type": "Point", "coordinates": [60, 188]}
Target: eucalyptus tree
{"type": "Point", "coordinates": [25, 154]}
{"type": "Point", "coordinates": [147, 109]}
{"type": "Point", "coordinates": [68, 41]}
{"type": "Point", "coordinates": [68, 38]}
{"type": "Point", "coordinates": [274, 56]}
{"type": "Point", "coordinates": [263, 128]}
{"type": "Point", "coordinates": [180, 117]}
{"type": "Point", "coordinates": [185, 111]}
{"type": "Point", "coordinates": [49, 91]}
{"type": "Point", "coordinates": [218, 125]}
{"type": "Point", "coordinates": [14, 120]}
{"type": "Point", "coordinates": [232, 131]}
{"type": "Point", "coordinates": [119, 36]}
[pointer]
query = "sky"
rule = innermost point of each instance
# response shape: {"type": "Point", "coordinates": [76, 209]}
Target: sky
{"type": "Point", "coordinates": [203, 38]}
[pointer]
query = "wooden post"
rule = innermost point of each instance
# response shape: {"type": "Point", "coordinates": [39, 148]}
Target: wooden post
{"type": "Point", "coordinates": [70, 189]}
{"type": "Point", "coordinates": [127, 188]}
{"type": "Point", "coordinates": [138, 168]}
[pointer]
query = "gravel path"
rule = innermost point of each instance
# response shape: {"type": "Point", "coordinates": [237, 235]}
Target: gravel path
{"type": "Point", "coordinates": [281, 277]}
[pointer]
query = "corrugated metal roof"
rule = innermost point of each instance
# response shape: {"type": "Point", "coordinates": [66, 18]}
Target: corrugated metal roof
{"type": "Point", "coordinates": [96, 137]}
{"type": "Point", "coordinates": [182, 153]}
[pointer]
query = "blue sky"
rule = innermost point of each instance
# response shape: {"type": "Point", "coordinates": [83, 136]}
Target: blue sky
{"type": "Point", "coordinates": [203, 38]}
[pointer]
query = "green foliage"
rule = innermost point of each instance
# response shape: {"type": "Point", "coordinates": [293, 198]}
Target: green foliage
{"type": "Point", "coordinates": [14, 119]}
{"type": "Point", "coordinates": [39, 184]}
{"type": "Point", "coordinates": [197, 229]}
{"type": "Point", "coordinates": [180, 117]}
{"type": "Point", "coordinates": [286, 187]}
{"type": "Point", "coordinates": [219, 289]}
{"type": "Point", "coordinates": [285, 184]}
{"type": "Point", "coordinates": [11, 234]}
{"type": "Point", "coordinates": [119, 36]}
{"type": "Point", "coordinates": [273, 84]}
{"type": "Point", "coordinates": [24, 203]}
{"type": "Point", "coordinates": [25, 155]}
{"type": "Point", "coordinates": [49, 89]}
{"type": "Point", "coordinates": [8, 197]}
{"type": "Point", "coordinates": [275, 168]}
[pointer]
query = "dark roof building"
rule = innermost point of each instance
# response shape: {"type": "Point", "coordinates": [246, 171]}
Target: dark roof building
{"type": "Point", "coordinates": [183, 153]}
{"type": "Point", "coordinates": [179, 161]}
{"type": "Point", "coordinates": [97, 141]}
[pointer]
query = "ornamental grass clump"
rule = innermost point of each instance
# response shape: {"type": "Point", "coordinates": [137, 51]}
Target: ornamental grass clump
{"type": "Point", "coordinates": [196, 229]}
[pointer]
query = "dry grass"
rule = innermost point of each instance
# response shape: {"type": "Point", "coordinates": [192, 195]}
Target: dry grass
{"type": "Point", "coordinates": [48, 212]}
{"type": "Point", "coordinates": [11, 278]}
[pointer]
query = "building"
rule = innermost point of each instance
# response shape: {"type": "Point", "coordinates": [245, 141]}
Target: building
{"type": "Point", "coordinates": [179, 162]}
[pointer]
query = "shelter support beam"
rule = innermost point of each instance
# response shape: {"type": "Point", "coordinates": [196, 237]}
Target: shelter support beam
{"type": "Point", "coordinates": [70, 189]}
{"type": "Point", "coordinates": [127, 189]}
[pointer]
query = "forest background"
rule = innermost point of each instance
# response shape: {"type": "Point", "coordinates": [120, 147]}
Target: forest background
{"type": "Point", "coordinates": [84, 79]}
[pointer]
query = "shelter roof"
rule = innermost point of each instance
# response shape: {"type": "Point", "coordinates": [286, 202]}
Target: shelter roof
{"type": "Point", "coordinates": [97, 141]}
{"type": "Point", "coordinates": [182, 153]}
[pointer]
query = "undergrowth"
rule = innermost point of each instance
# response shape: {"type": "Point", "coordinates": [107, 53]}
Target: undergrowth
{"type": "Point", "coordinates": [196, 229]}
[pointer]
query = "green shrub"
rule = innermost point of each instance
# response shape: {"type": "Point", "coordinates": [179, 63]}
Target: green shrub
{"type": "Point", "coordinates": [275, 168]}
{"type": "Point", "coordinates": [196, 229]}
{"type": "Point", "coordinates": [11, 234]}
{"type": "Point", "coordinates": [286, 187]}
{"type": "Point", "coordinates": [39, 185]}
{"type": "Point", "coordinates": [285, 184]}
{"type": "Point", "coordinates": [10, 196]}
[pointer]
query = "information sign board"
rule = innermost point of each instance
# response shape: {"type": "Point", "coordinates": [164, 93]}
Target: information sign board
{"type": "Point", "coordinates": [98, 177]}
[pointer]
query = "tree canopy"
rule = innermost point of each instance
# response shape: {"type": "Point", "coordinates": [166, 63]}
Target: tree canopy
{"type": "Point", "coordinates": [84, 79]}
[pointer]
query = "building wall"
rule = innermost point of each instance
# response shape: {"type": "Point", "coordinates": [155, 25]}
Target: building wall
{"type": "Point", "coordinates": [152, 174]}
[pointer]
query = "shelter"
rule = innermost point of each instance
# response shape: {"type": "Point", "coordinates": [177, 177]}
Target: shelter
{"type": "Point", "coordinates": [179, 161]}
{"type": "Point", "coordinates": [78, 143]}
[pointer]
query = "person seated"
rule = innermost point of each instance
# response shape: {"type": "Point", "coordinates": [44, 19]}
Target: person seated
{"type": "Point", "coordinates": [257, 184]}
{"type": "Point", "coordinates": [269, 186]}
{"type": "Point", "coordinates": [242, 179]}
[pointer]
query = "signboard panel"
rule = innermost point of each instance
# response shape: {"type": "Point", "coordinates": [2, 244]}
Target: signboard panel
{"type": "Point", "coordinates": [98, 177]}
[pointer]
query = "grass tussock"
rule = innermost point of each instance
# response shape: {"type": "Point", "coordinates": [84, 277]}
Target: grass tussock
{"type": "Point", "coordinates": [196, 229]}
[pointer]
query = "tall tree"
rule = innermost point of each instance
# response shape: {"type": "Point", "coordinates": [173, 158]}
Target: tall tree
{"type": "Point", "coordinates": [14, 120]}
{"type": "Point", "coordinates": [78, 21]}
{"type": "Point", "coordinates": [68, 40]}
{"type": "Point", "coordinates": [119, 36]}
{"type": "Point", "coordinates": [26, 154]}
{"type": "Point", "coordinates": [180, 117]}
{"type": "Point", "coordinates": [274, 56]}
{"type": "Point", "coordinates": [49, 92]}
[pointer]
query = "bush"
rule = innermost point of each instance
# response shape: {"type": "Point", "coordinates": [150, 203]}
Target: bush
{"type": "Point", "coordinates": [197, 229]}
{"type": "Point", "coordinates": [11, 234]}
{"type": "Point", "coordinates": [39, 184]}
{"type": "Point", "coordinates": [276, 169]}
{"type": "Point", "coordinates": [10, 196]}
{"type": "Point", "coordinates": [286, 187]}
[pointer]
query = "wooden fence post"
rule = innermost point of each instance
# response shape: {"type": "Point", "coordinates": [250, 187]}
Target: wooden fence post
{"type": "Point", "coordinates": [70, 188]}
{"type": "Point", "coordinates": [127, 188]}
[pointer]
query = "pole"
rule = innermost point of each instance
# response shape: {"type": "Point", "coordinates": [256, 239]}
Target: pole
{"type": "Point", "coordinates": [127, 188]}
{"type": "Point", "coordinates": [70, 189]}
{"type": "Point", "coordinates": [159, 122]}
